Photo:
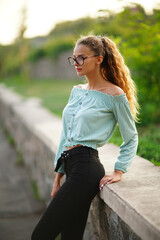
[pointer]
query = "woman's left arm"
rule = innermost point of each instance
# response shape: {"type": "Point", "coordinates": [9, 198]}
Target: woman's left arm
{"type": "Point", "coordinates": [128, 149]}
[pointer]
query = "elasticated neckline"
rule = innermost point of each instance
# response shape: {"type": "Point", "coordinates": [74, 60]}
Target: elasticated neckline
{"type": "Point", "coordinates": [121, 96]}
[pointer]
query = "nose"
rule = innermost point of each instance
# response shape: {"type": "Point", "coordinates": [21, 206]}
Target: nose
{"type": "Point", "coordinates": [75, 63]}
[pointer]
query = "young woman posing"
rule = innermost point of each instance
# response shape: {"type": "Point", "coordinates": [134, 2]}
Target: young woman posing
{"type": "Point", "coordinates": [89, 120]}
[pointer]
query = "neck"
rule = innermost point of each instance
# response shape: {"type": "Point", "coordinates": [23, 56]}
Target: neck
{"type": "Point", "coordinates": [95, 80]}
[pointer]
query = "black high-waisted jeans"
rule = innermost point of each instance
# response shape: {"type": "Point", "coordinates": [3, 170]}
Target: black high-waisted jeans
{"type": "Point", "coordinates": [68, 211]}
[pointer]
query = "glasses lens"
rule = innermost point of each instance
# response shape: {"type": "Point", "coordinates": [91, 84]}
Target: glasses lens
{"type": "Point", "coordinates": [80, 60]}
{"type": "Point", "coordinates": [71, 60]}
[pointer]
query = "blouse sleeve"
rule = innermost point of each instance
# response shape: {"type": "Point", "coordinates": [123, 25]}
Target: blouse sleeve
{"type": "Point", "coordinates": [128, 149]}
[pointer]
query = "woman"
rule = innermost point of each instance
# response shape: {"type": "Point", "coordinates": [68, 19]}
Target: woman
{"type": "Point", "coordinates": [89, 120]}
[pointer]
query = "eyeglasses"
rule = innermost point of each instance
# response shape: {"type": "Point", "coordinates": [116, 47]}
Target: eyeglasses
{"type": "Point", "coordinates": [79, 60]}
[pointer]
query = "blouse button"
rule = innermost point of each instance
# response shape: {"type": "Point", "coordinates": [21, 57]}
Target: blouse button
{"type": "Point", "coordinates": [80, 103]}
{"type": "Point", "coordinates": [73, 115]}
{"type": "Point", "coordinates": [68, 140]}
{"type": "Point", "coordinates": [86, 94]}
{"type": "Point", "coordinates": [69, 128]}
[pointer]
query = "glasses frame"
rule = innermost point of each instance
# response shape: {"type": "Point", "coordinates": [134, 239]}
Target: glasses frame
{"type": "Point", "coordinates": [75, 59]}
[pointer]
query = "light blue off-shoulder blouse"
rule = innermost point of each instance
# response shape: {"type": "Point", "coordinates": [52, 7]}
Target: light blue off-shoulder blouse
{"type": "Point", "coordinates": [90, 118]}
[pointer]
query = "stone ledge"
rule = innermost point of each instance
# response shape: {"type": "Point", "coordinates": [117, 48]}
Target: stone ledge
{"type": "Point", "coordinates": [135, 199]}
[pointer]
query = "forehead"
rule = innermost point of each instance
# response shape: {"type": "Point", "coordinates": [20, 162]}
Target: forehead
{"type": "Point", "coordinates": [81, 49]}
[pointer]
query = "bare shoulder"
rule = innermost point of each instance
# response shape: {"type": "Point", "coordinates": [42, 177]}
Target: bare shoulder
{"type": "Point", "coordinates": [109, 88]}
{"type": "Point", "coordinates": [117, 90]}
{"type": "Point", "coordinates": [113, 90]}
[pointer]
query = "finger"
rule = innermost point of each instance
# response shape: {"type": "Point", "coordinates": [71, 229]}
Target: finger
{"type": "Point", "coordinates": [104, 183]}
{"type": "Point", "coordinates": [112, 181]}
{"type": "Point", "coordinates": [101, 186]}
{"type": "Point", "coordinates": [102, 180]}
{"type": "Point", "coordinates": [51, 194]}
{"type": "Point", "coordinates": [101, 183]}
{"type": "Point", "coordinates": [105, 179]}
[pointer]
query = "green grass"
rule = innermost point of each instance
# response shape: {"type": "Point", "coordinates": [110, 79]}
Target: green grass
{"type": "Point", "coordinates": [59, 237]}
{"type": "Point", "coordinates": [55, 94]}
{"type": "Point", "coordinates": [9, 137]}
{"type": "Point", "coordinates": [35, 190]}
{"type": "Point", "coordinates": [20, 160]}
{"type": "Point", "coordinates": [149, 139]}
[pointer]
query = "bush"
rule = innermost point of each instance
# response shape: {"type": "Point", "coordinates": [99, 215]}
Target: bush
{"type": "Point", "coordinates": [55, 47]}
{"type": "Point", "coordinates": [52, 49]}
{"type": "Point", "coordinates": [37, 54]}
{"type": "Point", "coordinates": [148, 146]}
{"type": "Point", "coordinates": [149, 143]}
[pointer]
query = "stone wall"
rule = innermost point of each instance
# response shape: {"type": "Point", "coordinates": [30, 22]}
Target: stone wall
{"type": "Point", "coordinates": [104, 224]}
{"type": "Point", "coordinates": [127, 210]}
{"type": "Point", "coordinates": [59, 68]}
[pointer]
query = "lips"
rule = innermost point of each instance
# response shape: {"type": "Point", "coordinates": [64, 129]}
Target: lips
{"type": "Point", "coordinates": [78, 69]}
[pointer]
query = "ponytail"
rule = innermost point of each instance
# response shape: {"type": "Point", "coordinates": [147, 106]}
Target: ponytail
{"type": "Point", "coordinates": [113, 67]}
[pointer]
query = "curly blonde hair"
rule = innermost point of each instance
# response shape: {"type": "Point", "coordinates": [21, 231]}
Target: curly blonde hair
{"type": "Point", "coordinates": [113, 67]}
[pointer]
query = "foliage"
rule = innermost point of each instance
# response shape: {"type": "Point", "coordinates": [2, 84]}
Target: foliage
{"type": "Point", "coordinates": [136, 34]}
{"type": "Point", "coordinates": [148, 147]}
{"type": "Point", "coordinates": [52, 93]}
{"type": "Point", "coordinates": [57, 46]}
{"type": "Point", "coordinates": [37, 54]}
{"type": "Point", "coordinates": [138, 38]}
{"type": "Point", "coordinates": [142, 53]}
{"type": "Point", "coordinates": [36, 194]}
{"type": "Point", "coordinates": [52, 49]}
{"type": "Point", "coordinates": [22, 27]}
{"type": "Point", "coordinates": [13, 58]}
{"type": "Point", "coordinates": [149, 143]}
{"type": "Point", "coordinates": [73, 28]}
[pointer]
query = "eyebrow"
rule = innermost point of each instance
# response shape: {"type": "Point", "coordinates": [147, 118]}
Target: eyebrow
{"type": "Point", "coordinates": [80, 55]}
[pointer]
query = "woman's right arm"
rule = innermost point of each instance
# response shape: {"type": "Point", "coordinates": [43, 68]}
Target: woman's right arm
{"type": "Point", "coordinates": [57, 183]}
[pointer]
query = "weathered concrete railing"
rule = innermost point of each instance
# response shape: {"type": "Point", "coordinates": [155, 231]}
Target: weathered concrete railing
{"type": "Point", "coordinates": [127, 210]}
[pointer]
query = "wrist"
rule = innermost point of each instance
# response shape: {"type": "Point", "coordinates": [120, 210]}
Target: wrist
{"type": "Point", "coordinates": [58, 179]}
{"type": "Point", "coordinates": [118, 171]}
{"type": "Point", "coordinates": [56, 184]}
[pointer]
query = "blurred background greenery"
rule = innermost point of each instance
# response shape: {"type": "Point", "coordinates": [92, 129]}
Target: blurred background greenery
{"type": "Point", "coordinates": [138, 38]}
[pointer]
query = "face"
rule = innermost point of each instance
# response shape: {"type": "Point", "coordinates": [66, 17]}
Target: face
{"type": "Point", "coordinates": [90, 64]}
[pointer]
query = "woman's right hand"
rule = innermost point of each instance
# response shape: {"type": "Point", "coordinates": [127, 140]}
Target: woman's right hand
{"type": "Point", "coordinates": [57, 183]}
{"type": "Point", "coordinates": [55, 189]}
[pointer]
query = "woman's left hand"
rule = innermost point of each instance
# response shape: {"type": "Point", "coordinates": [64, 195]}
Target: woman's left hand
{"type": "Point", "coordinates": [108, 179]}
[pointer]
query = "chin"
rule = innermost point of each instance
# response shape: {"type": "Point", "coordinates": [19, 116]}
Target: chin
{"type": "Point", "coordinates": [80, 74]}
